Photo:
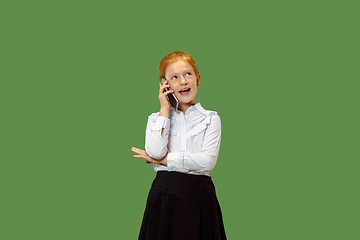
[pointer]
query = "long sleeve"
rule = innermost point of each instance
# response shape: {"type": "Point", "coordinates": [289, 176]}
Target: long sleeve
{"type": "Point", "coordinates": [200, 161]}
{"type": "Point", "coordinates": [155, 144]}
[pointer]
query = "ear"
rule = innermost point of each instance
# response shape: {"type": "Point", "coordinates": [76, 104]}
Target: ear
{"type": "Point", "coordinates": [198, 80]}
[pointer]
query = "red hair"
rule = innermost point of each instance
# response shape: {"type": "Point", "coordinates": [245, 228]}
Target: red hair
{"type": "Point", "coordinates": [174, 57]}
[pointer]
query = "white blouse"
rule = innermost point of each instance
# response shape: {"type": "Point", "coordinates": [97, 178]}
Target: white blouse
{"type": "Point", "coordinates": [192, 140]}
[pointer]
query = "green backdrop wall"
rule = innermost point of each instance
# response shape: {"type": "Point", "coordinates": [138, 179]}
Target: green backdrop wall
{"type": "Point", "coordinates": [79, 79]}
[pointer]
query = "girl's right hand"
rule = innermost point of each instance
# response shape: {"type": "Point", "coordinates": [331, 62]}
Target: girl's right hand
{"type": "Point", "coordinates": [164, 103]}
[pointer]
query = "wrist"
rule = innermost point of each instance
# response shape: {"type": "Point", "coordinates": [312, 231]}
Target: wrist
{"type": "Point", "coordinates": [164, 112]}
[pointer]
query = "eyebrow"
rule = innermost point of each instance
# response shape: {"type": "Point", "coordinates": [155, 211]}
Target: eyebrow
{"type": "Point", "coordinates": [188, 70]}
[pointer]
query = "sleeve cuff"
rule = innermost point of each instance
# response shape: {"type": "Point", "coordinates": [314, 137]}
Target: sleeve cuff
{"type": "Point", "coordinates": [160, 123]}
{"type": "Point", "coordinates": [175, 161]}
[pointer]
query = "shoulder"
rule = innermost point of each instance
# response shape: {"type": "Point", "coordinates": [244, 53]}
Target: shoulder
{"type": "Point", "coordinates": [211, 119]}
{"type": "Point", "coordinates": [212, 115]}
{"type": "Point", "coordinates": [214, 118]}
{"type": "Point", "coordinates": [208, 113]}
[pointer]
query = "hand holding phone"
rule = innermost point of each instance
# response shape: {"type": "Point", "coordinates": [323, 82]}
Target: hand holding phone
{"type": "Point", "coordinates": [171, 97]}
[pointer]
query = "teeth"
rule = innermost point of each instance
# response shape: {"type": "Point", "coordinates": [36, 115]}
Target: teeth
{"type": "Point", "coordinates": [185, 90]}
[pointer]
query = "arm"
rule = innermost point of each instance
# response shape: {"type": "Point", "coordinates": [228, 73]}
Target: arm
{"type": "Point", "coordinates": [158, 125]}
{"type": "Point", "coordinates": [201, 161]}
{"type": "Point", "coordinates": [164, 113]}
{"type": "Point", "coordinates": [156, 139]}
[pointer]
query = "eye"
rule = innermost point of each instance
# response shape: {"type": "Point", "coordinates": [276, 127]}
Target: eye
{"type": "Point", "coordinates": [174, 77]}
{"type": "Point", "coordinates": [188, 73]}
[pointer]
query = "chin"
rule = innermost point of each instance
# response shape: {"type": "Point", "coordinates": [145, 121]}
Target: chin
{"type": "Point", "coordinates": [187, 102]}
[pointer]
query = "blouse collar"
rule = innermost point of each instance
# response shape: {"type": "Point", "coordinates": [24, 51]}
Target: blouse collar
{"type": "Point", "coordinates": [196, 108]}
{"type": "Point", "coordinates": [193, 113]}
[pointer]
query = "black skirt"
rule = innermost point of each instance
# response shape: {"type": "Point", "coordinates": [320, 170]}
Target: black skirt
{"type": "Point", "coordinates": [182, 206]}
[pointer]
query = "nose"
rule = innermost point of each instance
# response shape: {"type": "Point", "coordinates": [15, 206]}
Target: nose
{"type": "Point", "coordinates": [183, 80]}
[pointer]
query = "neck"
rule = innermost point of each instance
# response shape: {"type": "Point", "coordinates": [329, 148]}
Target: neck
{"type": "Point", "coordinates": [184, 107]}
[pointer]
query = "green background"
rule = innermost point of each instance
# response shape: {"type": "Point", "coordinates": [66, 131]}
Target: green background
{"type": "Point", "coordinates": [79, 79]}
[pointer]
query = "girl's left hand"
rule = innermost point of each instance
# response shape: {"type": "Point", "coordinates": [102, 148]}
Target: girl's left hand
{"type": "Point", "coordinates": [143, 154]}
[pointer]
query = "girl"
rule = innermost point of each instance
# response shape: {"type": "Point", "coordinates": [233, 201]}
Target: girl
{"type": "Point", "coordinates": [183, 145]}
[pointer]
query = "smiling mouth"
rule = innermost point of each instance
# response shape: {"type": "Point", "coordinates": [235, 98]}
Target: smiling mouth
{"type": "Point", "coordinates": [184, 92]}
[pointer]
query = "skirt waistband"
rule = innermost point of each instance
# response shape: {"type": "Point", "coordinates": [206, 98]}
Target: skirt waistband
{"type": "Point", "coordinates": [182, 176]}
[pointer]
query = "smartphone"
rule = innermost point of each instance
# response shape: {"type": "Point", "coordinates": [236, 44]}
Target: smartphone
{"type": "Point", "coordinates": [171, 97]}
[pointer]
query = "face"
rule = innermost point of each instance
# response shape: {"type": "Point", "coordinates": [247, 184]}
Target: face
{"type": "Point", "coordinates": [181, 77]}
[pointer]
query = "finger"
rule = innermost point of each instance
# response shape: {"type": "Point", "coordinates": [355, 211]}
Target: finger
{"type": "Point", "coordinates": [143, 156]}
{"type": "Point", "coordinates": [135, 150]}
{"type": "Point", "coordinates": [149, 159]}
{"type": "Point", "coordinates": [142, 152]}
{"type": "Point", "coordinates": [162, 90]}
{"type": "Point", "coordinates": [164, 86]}
{"type": "Point", "coordinates": [168, 92]}
{"type": "Point", "coordinates": [154, 162]}
{"type": "Point", "coordinates": [165, 92]}
{"type": "Point", "coordinates": [165, 82]}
